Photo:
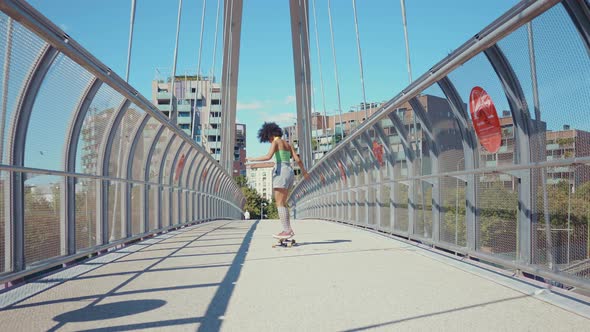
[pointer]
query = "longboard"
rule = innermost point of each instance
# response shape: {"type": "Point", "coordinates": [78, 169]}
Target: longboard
{"type": "Point", "coordinates": [284, 242]}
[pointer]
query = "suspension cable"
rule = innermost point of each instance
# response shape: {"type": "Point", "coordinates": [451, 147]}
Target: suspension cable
{"type": "Point", "coordinates": [199, 69]}
{"type": "Point", "coordinates": [131, 25]}
{"type": "Point", "coordinates": [317, 44]}
{"type": "Point", "coordinates": [172, 105]}
{"type": "Point", "coordinates": [360, 56]}
{"type": "Point", "coordinates": [215, 40]}
{"type": "Point", "coordinates": [335, 71]}
{"type": "Point", "coordinates": [405, 23]}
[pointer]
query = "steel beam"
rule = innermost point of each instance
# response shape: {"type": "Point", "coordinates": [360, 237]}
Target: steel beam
{"type": "Point", "coordinates": [300, 39]}
{"type": "Point", "coordinates": [522, 134]}
{"type": "Point", "coordinates": [68, 196]}
{"type": "Point", "coordinates": [232, 24]}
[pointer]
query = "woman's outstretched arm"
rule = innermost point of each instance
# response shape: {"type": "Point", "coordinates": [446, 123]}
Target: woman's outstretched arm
{"type": "Point", "coordinates": [271, 151]}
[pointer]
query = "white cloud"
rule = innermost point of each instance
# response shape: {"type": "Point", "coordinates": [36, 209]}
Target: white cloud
{"type": "Point", "coordinates": [280, 118]}
{"type": "Point", "coordinates": [290, 100]}
{"type": "Point", "coordinates": [255, 105]}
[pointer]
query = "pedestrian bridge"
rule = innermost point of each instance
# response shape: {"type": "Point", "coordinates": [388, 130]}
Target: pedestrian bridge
{"type": "Point", "coordinates": [463, 202]}
{"type": "Point", "coordinates": [226, 275]}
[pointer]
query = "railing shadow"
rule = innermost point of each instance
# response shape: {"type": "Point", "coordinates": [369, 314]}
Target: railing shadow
{"type": "Point", "coordinates": [218, 305]}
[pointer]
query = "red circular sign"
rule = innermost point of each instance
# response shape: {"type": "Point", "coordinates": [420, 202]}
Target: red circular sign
{"type": "Point", "coordinates": [378, 151]}
{"type": "Point", "coordinates": [179, 167]}
{"type": "Point", "coordinates": [485, 119]}
{"type": "Point", "coordinates": [342, 172]}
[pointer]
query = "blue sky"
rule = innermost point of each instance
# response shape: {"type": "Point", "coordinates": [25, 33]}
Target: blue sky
{"type": "Point", "coordinates": [266, 88]}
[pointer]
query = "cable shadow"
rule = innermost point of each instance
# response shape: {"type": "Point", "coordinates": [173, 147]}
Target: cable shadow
{"type": "Point", "coordinates": [109, 311]}
{"type": "Point", "coordinates": [327, 253]}
{"type": "Point", "coordinates": [152, 270]}
{"type": "Point", "coordinates": [220, 301]}
{"type": "Point", "coordinates": [300, 244]}
{"type": "Point", "coordinates": [148, 325]}
{"type": "Point", "coordinates": [124, 293]}
{"type": "Point", "coordinates": [374, 326]}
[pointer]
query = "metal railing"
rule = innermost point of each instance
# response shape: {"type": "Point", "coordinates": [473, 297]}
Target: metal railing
{"type": "Point", "coordinates": [87, 163]}
{"type": "Point", "coordinates": [417, 168]}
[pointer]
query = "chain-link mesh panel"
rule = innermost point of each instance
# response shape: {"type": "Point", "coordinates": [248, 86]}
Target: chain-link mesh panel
{"type": "Point", "coordinates": [385, 206]}
{"type": "Point", "coordinates": [372, 207]}
{"type": "Point", "coordinates": [158, 155]}
{"type": "Point", "coordinates": [168, 163]}
{"type": "Point", "coordinates": [401, 207]}
{"type": "Point", "coordinates": [153, 199]}
{"type": "Point", "coordinates": [165, 211]}
{"type": "Point", "coordinates": [137, 192]}
{"type": "Point", "coordinates": [445, 129]}
{"type": "Point", "coordinates": [56, 101]}
{"type": "Point", "coordinates": [137, 163]}
{"type": "Point", "coordinates": [175, 206]}
{"type": "Point", "coordinates": [183, 206]}
{"type": "Point", "coordinates": [86, 213]}
{"type": "Point", "coordinates": [122, 141]}
{"type": "Point", "coordinates": [100, 113]}
{"type": "Point", "coordinates": [497, 209]}
{"type": "Point", "coordinates": [116, 222]}
{"type": "Point", "coordinates": [563, 68]}
{"type": "Point", "coordinates": [19, 52]}
{"type": "Point", "coordinates": [361, 199]}
{"type": "Point", "coordinates": [453, 228]}
{"type": "Point", "coordinates": [4, 220]}
{"type": "Point", "coordinates": [174, 174]}
{"type": "Point", "coordinates": [563, 244]}
{"type": "Point", "coordinates": [42, 217]}
{"type": "Point", "coordinates": [423, 208]}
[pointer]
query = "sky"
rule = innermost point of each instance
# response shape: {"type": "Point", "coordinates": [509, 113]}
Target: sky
{"type": "Point", "coordinates": [266, 79]}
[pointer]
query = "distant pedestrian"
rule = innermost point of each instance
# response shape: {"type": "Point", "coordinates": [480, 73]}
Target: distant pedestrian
{"type": "Point", "coordinates": [247, 215]}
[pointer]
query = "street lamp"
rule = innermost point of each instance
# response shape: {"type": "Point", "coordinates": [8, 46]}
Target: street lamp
{"type": "Point", "coordinates": [262, 204]}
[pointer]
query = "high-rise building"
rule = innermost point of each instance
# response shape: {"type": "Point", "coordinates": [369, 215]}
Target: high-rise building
{"type": "Point", "coordinates": [259, 177]}
{"type": "Point", "coordinates": [198, 113]}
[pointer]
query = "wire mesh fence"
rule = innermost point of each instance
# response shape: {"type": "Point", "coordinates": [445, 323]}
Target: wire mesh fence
{"type": "Point", "coordinates": [521, 201]}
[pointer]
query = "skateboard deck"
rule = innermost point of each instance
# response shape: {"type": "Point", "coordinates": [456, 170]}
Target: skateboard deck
{"type": "Point", "coordinates": [284, 242]}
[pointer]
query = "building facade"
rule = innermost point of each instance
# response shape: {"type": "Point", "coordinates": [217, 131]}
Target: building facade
{"type": "Point", "coordinates": [259, 176]}
{"type": "Point", "coordinates": [198, 105]}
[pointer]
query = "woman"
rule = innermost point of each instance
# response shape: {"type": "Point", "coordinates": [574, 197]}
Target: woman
{"type": "Point", "coordinates": [282, 176]}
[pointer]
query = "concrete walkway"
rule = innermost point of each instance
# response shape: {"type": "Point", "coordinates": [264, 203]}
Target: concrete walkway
{"type": "Point", "coordinates": [225, 275]}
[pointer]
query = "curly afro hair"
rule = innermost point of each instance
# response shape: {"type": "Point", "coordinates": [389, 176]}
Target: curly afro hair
{"type": "Point", "coordinates": [267, 130]}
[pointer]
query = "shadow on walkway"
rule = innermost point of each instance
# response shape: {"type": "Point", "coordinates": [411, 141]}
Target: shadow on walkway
{"type": "Point", "coordinates": [218, 306]}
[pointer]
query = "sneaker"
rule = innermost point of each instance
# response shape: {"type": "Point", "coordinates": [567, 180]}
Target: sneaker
{"type": "Point", "coordinates": [284, 235]}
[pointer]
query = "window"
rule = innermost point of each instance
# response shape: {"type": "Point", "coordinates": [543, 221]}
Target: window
{"type": "Point", "coordinates": [184, 126]}
{"type": "Point", "coordinates": [214, 101]}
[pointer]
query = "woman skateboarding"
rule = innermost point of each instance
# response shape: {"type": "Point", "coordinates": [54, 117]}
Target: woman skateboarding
{"type": "Point", "coordinates": [282, 175]}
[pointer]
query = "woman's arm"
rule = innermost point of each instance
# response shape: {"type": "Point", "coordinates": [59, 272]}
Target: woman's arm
{"type": "Point", "coordinates": [298, 160]}
{"type": "Point", "coordinates": [271, 151]}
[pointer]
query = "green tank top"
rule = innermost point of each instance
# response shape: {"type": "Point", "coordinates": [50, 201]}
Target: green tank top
{"type": "Point", "coordinates": [283, 156]}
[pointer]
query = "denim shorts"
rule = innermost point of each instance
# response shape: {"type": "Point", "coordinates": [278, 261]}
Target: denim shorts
{"type": "Point", "coordinates": [283, 176]}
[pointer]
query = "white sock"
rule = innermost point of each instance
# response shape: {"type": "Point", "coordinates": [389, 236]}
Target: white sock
{"type": "Point", "coordinates": [289, 229]}
{"type": "Point", "coordinates": [284, 217]}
